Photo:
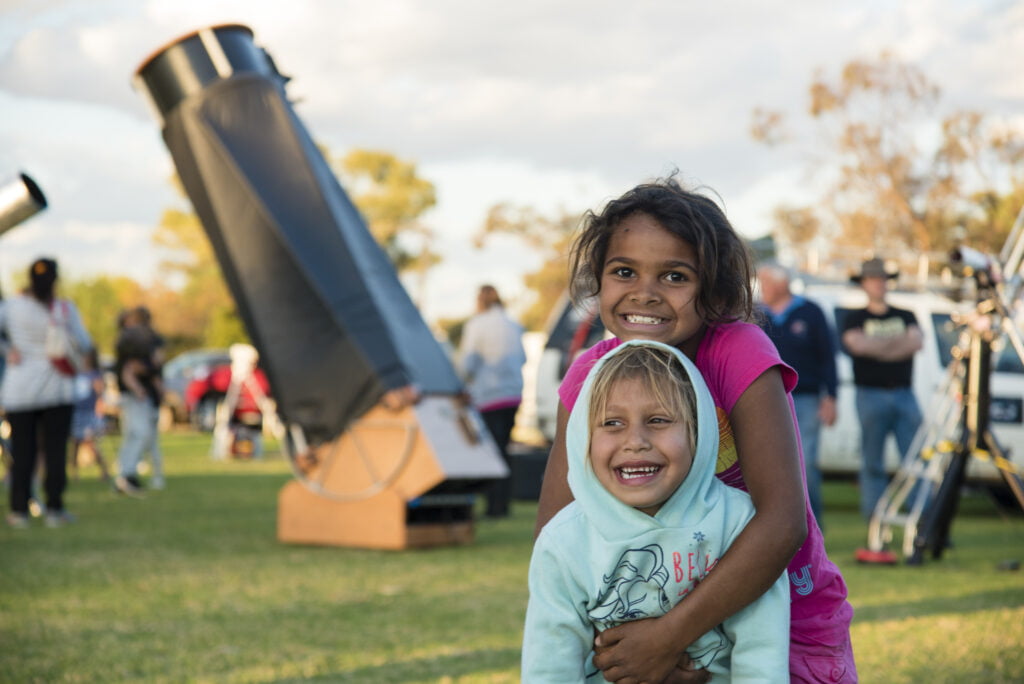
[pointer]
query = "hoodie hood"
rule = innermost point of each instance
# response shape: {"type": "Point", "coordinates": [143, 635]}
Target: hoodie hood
{"type": "Point", "coordinates": [695, 495]}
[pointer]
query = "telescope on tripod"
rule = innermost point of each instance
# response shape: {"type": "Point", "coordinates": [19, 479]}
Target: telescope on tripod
{"type": "Point", "coordinates": [959, 428]}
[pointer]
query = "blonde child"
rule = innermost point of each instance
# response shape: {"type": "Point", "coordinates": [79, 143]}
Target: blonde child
{"type": "Point", "coordinates": [649, 522]}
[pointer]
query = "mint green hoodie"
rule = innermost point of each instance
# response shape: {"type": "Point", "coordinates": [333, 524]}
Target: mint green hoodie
{"type": "Point", "coordinates": [599, 563]}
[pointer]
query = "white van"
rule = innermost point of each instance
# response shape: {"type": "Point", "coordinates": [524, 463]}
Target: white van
{"type": "Point", "coordinates": [840, 444]}
{"type": "Point", "coordinates": [572, 330]}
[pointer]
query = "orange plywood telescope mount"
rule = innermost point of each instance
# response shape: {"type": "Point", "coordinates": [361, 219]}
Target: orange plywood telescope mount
{"type": "Point", "coordinates": [375, 485]}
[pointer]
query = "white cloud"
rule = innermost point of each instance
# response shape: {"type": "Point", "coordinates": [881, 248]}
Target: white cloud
{"type": "Point", "coordinates": [82, 249]}
{"type": "Point", "coordinates": [548, 104]}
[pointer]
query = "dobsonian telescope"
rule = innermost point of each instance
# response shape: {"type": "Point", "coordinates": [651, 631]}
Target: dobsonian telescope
{"type": "Point", "coordinates": [20, 199]}
{"type": "Point", "coordinates": [334, 327]}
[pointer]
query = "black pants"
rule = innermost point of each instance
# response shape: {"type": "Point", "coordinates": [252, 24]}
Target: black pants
{"type": "Point", "coordinates": [499, 492]}
{"type": "Point", "coordinates": [53, 426]}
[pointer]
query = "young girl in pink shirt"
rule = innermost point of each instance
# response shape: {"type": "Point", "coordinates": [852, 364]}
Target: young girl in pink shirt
{"type": "Point", "coordinates": [666, 265]}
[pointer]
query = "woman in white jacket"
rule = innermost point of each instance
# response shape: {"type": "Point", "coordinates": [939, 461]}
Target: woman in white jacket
{"type": "Point", "coordinates": [491, 359]}
{"type": "Point", "coordinates": [650, 520]}
{"type": "Point", "coordinates": [36, 396]}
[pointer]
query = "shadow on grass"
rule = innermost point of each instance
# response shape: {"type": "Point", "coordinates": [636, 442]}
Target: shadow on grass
{"type": "Point", "coordinates": [446, 668]}
{"type": "Point", "coordinates": [961, 605]}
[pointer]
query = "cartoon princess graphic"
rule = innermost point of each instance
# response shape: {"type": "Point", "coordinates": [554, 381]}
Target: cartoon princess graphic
{"type": "Point", "coordinates": [636, 589]}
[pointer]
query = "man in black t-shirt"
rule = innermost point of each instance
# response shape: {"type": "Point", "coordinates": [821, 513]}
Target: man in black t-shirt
{"type": "Point", "coordinates": [882, 341]}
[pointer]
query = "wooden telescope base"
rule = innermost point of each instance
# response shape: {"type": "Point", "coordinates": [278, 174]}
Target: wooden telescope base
{"type": "Point", "coordinates": [400, 479]}
{"type": "Point", "coordinates": [384, 521]}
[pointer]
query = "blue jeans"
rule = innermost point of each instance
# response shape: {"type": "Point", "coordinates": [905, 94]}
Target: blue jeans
{"type": "Point", "coordinates": [882, 411]}
{"type": "Point", "coordinates": [139, 434]}
{"type": "Point", "coordinates": [807, 419]}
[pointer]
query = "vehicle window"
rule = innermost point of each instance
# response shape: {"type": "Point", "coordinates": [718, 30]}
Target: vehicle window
{"type": "Point", "coordinates": [562, 332]}
{"type": "Point", "coordinates": [946, 336]}
{"type": "Point", "coordinates": [1004, 356]}
{"type": "Point", "coordinates": [568, 328]}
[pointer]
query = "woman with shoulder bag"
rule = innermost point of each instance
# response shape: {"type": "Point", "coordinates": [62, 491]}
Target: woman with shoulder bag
{"type": "Point", "coordinates": [37, 392]}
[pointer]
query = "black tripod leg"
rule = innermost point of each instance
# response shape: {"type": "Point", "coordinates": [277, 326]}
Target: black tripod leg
{"type": "Point", "coordinates": [1010, 476]}
{"type": "Point", "coordinates": [941, 511]}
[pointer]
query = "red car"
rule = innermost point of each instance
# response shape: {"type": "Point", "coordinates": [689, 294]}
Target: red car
{"type": "Point", "coordinates": [205, 392]}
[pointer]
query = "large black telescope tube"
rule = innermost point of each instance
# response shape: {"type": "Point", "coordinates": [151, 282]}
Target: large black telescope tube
{"type": "Point", "coordinates": [20, 199]}
{"type": "Point", "coordinates": [334, 327]}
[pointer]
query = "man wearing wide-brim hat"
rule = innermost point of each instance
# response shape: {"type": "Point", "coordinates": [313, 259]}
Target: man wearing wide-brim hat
{"type": "Point", "coordinates": [882, 341]}
{"type": "Point", "coordinates": [873, 268]}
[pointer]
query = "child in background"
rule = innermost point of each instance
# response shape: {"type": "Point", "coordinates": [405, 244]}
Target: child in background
{"type": "Point", "coordinates": [666, 265]}
{"type": "Point", "coordinates": [649, 522]}
{"type": "Point", "coordinates": [86, 419]}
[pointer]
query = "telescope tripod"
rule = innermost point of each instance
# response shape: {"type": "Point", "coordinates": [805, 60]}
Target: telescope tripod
{"type": "Point", "coordinates": [243, 368]}
{"type": "Point", "coordinates": [934, 469]}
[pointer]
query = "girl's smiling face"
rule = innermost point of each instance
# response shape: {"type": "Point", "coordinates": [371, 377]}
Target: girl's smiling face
{"type": "Point", "coordinates": [639, 451]}
{"type": "Point", "coordinates": [649, 286]}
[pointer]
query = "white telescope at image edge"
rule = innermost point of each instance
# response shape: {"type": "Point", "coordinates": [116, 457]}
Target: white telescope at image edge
{"type": "Point", "coordinates": [19, 200]}
{"type": "Point", "coordinates": [969, 256]}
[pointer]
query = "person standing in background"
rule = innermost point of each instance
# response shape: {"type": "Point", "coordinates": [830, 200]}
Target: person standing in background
{"type": "Point", "coordinates": [37, 395]}
{"type": "Point", "coordinates": [491, 359]}
{"type": "Point", "coordinates": [141, 387]}
{"type": "Point", "coordinates": [805, 342]}
{"type": "Point", "coordinates": [882, 341]}
{"type": "Point", "coordinates": [157, 357]}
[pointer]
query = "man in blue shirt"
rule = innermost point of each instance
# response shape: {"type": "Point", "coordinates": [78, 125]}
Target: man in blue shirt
{"type": "Point", "coordinates": [799, 330]}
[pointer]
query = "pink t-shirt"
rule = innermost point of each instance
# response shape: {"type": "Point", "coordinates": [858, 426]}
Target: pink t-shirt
{"type": "Point", "coordinates": [730, 357]}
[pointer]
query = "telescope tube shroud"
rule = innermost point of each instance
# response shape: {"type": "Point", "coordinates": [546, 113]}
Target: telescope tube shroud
{"type": "Point", "coordinates": [20, 200]}
{"type": "Point", "coordinates": [334, 326]}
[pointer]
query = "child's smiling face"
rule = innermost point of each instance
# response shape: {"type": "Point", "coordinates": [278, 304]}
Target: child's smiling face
{"type": "Point", "coordinates": [649, 285]}
{"type": "Point", "coordinates": [639, 451]}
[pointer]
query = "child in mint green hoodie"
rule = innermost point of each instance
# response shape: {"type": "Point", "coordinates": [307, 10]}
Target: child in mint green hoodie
{"type": "Point", "coordinates": [649, 521]}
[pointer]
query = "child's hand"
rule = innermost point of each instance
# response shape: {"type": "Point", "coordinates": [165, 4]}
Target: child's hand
{"type": "Point", "coordinates": [640, 651]}
{"type": "Point", "coordinates": [13, 356]}
{"type": "Point", "coordinates": [685, 672]}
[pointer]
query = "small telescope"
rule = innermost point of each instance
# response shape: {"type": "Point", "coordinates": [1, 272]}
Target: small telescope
{"type": "Point", "coordinates": [975, 263]}
{"type": "Point", "coordinates": [19, 200]}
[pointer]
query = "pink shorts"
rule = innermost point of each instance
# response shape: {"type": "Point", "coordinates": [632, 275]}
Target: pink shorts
{"type": "Point", "coordinates": [817, 663]}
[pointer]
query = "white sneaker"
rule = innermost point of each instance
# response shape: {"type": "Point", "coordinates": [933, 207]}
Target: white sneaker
{"type": "Point", "coordinates": [18, 521]}
{"type": "Point", "coordinates": [157, 483]}
{"type": "Point", "coordinates": [123, 486]}
{"type": "Point", "coordinates": [59, 518]}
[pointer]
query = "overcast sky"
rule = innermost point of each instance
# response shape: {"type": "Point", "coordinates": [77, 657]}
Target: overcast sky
{"type": "Point", "coordinates": [553, 104]}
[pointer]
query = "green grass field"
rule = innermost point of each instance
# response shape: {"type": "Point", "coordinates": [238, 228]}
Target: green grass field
{"type": "Point", "coordinates": [190, 584]}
